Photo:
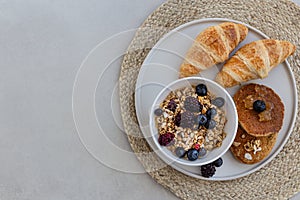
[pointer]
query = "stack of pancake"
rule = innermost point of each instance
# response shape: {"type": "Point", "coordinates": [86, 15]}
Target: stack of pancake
{"type": "Point", "coordinates": [257, 131]}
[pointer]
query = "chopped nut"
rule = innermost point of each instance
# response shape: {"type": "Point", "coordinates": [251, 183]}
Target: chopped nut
{"type": "Point", "coordinates": [248, 146]}
{"type": "Point", "coordinates": [165, 114]}
{"type": "Point", "coordinates": [248, 156]}
{"type": "Point", "coordinates": [257, 150]}
{"type": "Point", "coordinates": [265, 116]}
{"type": "Point", "coordinates": [236, 144]}
{"type": "Point", "coordinates": [243, 136]}
{"type": "Point", "coordinates": [249, 102]}
{"type": "Point", "coordinates": [257, 142]}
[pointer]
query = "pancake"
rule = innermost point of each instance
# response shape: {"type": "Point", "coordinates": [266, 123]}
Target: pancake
{"type": "Point", "coordinates": [243, 146]}
{"type": "Point", "coordinates": [259, 124]}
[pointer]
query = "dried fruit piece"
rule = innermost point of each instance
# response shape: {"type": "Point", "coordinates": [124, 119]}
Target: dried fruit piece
{"type": "Point", "coordinates": [165, 139]}
{"type": "Point", "coordinates": [172, 105]}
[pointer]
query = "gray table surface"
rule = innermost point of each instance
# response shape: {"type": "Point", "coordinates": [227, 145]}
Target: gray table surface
{"type": "Point", "coordinates": [42, 154]}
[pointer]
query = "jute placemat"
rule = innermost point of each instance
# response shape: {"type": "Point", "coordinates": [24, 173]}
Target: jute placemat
{"type": "Point", "coordinates": [279, 19]}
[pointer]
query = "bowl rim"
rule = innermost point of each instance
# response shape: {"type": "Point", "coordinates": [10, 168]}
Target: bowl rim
{"type": "Point", "coordinates": [179, 160]}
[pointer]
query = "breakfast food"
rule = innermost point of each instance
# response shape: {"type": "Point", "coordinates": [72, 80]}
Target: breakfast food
{"type": "Point", "coordinates": [212, 46]}
{"type": "Point", "coordinates": [253, 61]}
{"type": "Point", "coordinates": [188, 122]}
{"type": "Point", "coordinates": [260, 110]}
{"type": "Point", "coordinates": [209, 170]}
{"type": "Point", "coordinates": [250, 149]}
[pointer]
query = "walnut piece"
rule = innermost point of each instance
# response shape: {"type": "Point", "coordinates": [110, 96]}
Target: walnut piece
{"type": "Point", "coordinates": [236, 144]}
{"type": "Point", "coordinates": [249, 102]}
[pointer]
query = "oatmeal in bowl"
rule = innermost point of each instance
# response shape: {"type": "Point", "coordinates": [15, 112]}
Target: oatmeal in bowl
{"type": "Point", "coordinates": [193, 121]}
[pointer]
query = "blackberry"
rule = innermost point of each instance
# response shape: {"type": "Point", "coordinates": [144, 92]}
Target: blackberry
{"type": "Point", "coordinates": [187, 120]}
{"type": "Point", "coordinates": [177, 119]}
{"type": "Point", "coordinates": [172, 105]}
{"type": "Point", "coordinates": [165, 139]}
{"type": "Point", "coordinates": [208, 170]}
{"type": "Point", "coordinates": [192, 104]}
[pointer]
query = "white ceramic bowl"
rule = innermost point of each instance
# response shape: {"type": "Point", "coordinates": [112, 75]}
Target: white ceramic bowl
{"type": "Point", "coordinates": [230, 126]}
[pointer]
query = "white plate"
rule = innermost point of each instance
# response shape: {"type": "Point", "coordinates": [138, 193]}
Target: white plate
{"type": "Point", "coordinates": [161, 67]}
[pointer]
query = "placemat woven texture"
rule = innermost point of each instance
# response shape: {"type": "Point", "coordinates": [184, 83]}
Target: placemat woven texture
{"type": "Point", "coordinates": [279, 19]}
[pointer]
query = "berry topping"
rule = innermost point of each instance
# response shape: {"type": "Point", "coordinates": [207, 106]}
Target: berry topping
{"type": "Point", "coordinates": [187, 120]}
{"type": "Point", "coordinates": [197, 146]}
{"type": "Point", "coordinates": [210, 124]}
{"type": "Point", "coordinates": [192, 154]}
{"type": "Point", "coordinates": [259, 106]}
{"type": "Point", "coordinates": [158, 112]}
{"type": "Point", "coordinates": [180, 152]}
{"type": "Point", "coordinates": [208, 170]}
{"type": "Point", "coordinates": [172, 105]}
{"type": "Point", "coordinates": [165, 139]}
{"type": "Point", "coordinates": [211, 112]}
{"type": "Point", "coordinates": [218, 162]}
{"type": "Point", "coordinates": [177, 119]}
{"type": "Point", "coordinates": [202, 152]}
{"type": "Point", "coordinates": [219, 102]}
{"type": "Point", "coordinates": [201, 90]}
{"type": "Point", "coordinates": [201, 120]}
{"type": "Point", "coordinates": [192, 104]}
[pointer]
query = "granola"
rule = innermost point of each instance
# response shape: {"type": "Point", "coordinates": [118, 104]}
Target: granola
{"type": "Point", "coordinates": [188, 133]}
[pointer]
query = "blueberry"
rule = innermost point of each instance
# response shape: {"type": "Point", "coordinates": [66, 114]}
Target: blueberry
{"type": "Point", "coordinates": [180, 152]}
{"type": "Point", "coordinates": [259, 105]}
{"type": "Point", "coordinates": [219, 102]}
{"type": "Point", "coordinates": [210, 124]}
{"type": "Point", "coordinates": [218, 162]}
{"type": "Point", "coordinates": [192, 154]}
{"type": "Point", "coordinates": [201, 90]}
{"type": "Point", "coordinates": [201, 120]}
{"type": "Point", "coordinates": [202, 152]}
{"type": "Point", "coordinates": [211, 112]}
{"type": "Point", "coordinates": [158, 112]}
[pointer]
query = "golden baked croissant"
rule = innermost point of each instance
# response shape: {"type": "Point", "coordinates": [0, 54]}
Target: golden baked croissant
{"type": "Point", "coordinates": [253, 61]}
{"type": "Point", "coordinates": [212, 46]}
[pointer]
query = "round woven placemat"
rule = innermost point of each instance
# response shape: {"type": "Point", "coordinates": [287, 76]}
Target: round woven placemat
{"type": "Point", "coordinates": [279, 19]}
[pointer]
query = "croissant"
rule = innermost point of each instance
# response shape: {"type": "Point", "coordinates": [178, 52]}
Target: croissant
{"type": "Point", "coordinates": [254, 60]}
{"type": "Point", "coordinates": [212, 46]}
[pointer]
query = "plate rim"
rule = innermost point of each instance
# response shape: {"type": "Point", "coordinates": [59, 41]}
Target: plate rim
{"type": "Point", "coordinates": [284, 140]}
